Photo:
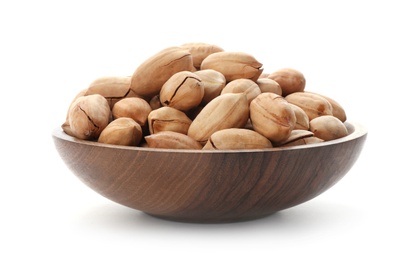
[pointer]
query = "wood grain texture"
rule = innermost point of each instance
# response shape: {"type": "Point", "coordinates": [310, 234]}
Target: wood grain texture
{"type": "Point", "coordinates": [210, 186]}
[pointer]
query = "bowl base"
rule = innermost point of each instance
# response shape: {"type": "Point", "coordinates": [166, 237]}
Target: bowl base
{"type": "Point", "coordinates": [198, 220]}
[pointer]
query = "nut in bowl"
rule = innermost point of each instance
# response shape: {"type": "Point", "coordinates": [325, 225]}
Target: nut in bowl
{"type": "Point", "coordinates": [226, 164]}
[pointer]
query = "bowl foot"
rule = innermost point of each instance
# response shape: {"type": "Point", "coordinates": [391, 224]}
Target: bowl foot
{"type": "Point", "coordinates": [209, 220]}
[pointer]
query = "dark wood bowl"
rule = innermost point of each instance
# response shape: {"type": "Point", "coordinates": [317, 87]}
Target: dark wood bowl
{"type": "Point", "coordinates": [210, 186]}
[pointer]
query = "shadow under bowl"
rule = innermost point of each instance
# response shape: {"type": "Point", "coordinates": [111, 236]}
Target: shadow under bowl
{"type": "Point", "coordinates": [210, 186]}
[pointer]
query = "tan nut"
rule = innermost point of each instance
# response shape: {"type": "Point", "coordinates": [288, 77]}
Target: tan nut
{"type": "Point", "coordinates": [245, 86]}
{"type": "Point", "coordinates": [272, 116]}
{"type": "Point", "coordinates": [182, 91]}
{"type": "Point", "coordinates": [150, 76]}
{"type": "Point", "coordinates": [136, 108]}
{"type": "Point", "coordinates": [235, 139]}
{"type": "Point", "coordinates": [168, 119]}
{"type": "Point", "coordinates": [225, 111]}
{"type": "Point", "coordinates": [233, 65]}
{"type": "Point", "coordinates": [88, 116]}
{"type": "Point", "coordinates": [65, 126]}
{"type": "Point", "coordinates": [171, 140]}
{"type": "Point", "coordinates": [290, 80]}
{"type": "Point", "coordinates": [213, 82]}
{"type": "Point", "coordinates": [328, 128]}
{"type": "Point", "coordinates": [294, 136]}
{"type": "Point", "coordinates": [314, 105]}
{"type": "Point", "coordinates": [113, 88]}
{"type": "Point", "coordinates": [337, 110]}
{"type": "Point", "coordinates": [122, 131]}
{"type": "Point", "coordinates": [306, 140]}
{"type": "Point", "coordinates": [269, 85]}
{"type": "Point", "coordinates": [200, 51]}
{"type": "Point", "coordinates": [302, 141]}
{"type": "Point", "coordinates": [302, 120]}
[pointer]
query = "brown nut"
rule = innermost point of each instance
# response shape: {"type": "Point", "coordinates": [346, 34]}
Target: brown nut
{"type": "Point", "coordinates": [200, 51]}
{"type": "Point", "coordinates": [171, 140]}
{"type": "Point", "coordinates": [226, 111]}
{"type": "Point", "coordinates": [213, 82]}
{"type": "Point", "coordinates": [182, 91]}
{"type": "Point", "coordinates": [233, 65]}
{"type": "Point", "coordinates": [314, 105]}
{"type": "Point", "coordinates": [168, 119]}
{"type": "Point", "coordinates": [302, 120]}
{"type": "Point", "coordinates": [113, 88]}
{"type": "Point", "coordinates": [269, 85]}
{"type": "Point", "coordinates": [337, 110]}
{"type": "Point", "coordinates": [150, 76]}
{"type": "Point", "coordinates": [235, 139]}
{"type": "Point", "coordinates": [245, 86]}
{"type": "Point", "coordinates": [136, 108]}
{"type": "Point", "coordinates": [88, 116]}
{"type": "Point", "coordinates": [272, 116]}
{"type": "Point", "coordinates": [290, 80]}
{"type": "Point", "coordinates": [328, 128]}
{"type": "Point", "coordinates": [294, 136]}
{"type": "Point", "coordinates": [122, 131]}
{"type": "Point", "coordinates": [65, 126]}
{"type": "Point", "coordinates": [304, 141]}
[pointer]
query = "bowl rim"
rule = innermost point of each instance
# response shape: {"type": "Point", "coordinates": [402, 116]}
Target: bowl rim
{"type": "Point", "coordinates": [356, 130]}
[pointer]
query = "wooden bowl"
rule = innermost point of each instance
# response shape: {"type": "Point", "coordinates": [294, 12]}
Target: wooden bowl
{"type": "Point", "coordinates": [210, 186]}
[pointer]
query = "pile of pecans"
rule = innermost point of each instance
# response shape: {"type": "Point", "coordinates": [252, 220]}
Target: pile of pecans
{"type": "Point", "coordinates": [198, 96]}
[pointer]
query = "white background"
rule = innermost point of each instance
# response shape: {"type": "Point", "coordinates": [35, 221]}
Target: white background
{"type": "Point", "coordinates": [354, 51]}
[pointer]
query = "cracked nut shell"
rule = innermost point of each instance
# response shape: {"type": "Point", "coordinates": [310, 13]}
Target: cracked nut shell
{"type": "Point", "coordinates": [88, 116]}
{"type": "Point", "coordinates": [182, 91]}
{"type": "Point", "coordinates": [150, 76]}
{"type": "Point", "coordinates": [168, 119]}
{"type": "Point", "coordinates": [113, 88]}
